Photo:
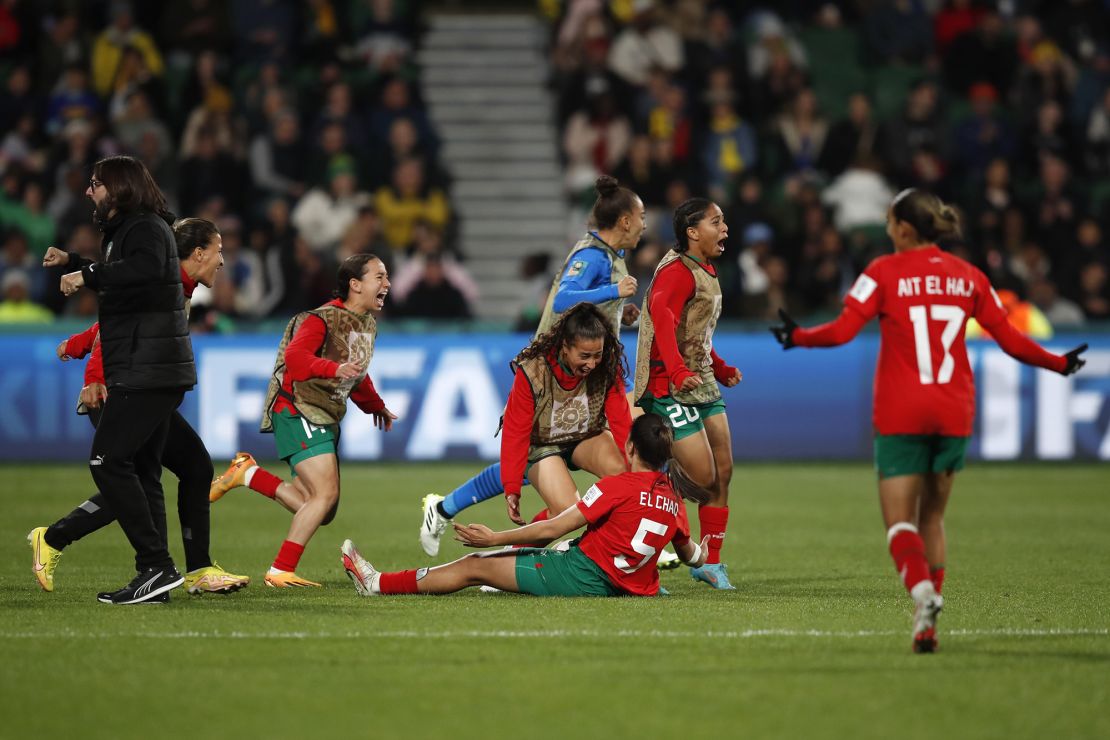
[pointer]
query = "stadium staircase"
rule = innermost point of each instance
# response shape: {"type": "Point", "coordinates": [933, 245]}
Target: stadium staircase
{"type": "Point", "coordinates": [484, 82]}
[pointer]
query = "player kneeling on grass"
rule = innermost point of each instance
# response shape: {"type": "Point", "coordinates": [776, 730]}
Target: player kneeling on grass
{"type": "Point", "coordinates": [629, 518]}
{"type": "Point", "coordinates": [924, 390]}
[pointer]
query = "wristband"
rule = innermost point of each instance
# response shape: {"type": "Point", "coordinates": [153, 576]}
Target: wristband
{"type": "Point", "coordinates": [696, 556]}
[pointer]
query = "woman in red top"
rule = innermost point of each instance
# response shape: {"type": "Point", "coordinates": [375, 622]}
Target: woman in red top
{"type": "Point", "coordinates": [924, 398]}
{"type": "Point", "coordinates": [679, 374]}
{"type": "Point", "coordinates": [629, 518]}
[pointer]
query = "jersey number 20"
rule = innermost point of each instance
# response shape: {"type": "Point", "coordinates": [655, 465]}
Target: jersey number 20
{"type": "Point", "coordinates": [953, 318]}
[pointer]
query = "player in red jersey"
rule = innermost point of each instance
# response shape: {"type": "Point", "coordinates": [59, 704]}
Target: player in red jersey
{"type": "Point", "coordinates": [678, 372]}
{"type": "Point", "coordinates": [628, 518]}
{"type": "Point", "coordinates": [924, 398]}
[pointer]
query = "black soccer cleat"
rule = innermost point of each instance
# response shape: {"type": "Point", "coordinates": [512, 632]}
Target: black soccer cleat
{"type": "Point", "coordinates": [150, 585]}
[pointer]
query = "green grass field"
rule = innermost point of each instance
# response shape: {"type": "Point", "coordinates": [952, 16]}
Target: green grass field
{"type": "Point", "coordinates": [815, 643]}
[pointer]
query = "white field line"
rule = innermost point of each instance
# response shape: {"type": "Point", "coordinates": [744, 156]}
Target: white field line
{"type": "Point", "coordinates": [534, 634]}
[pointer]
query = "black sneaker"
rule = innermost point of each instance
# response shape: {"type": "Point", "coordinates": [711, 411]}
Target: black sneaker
{"type": "Point", "coordinates": [148, 585]}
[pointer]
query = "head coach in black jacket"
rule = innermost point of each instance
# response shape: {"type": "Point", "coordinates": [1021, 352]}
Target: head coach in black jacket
{"type": "Point", "coordinates": [148, 358]}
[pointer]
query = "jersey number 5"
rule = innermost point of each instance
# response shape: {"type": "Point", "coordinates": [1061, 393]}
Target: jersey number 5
{"type": "Point", "coordinates": [647, 526]}
{"type": "Point", "coordinates": [953, 318]}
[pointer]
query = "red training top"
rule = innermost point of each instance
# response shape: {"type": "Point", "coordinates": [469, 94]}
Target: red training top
{"type": "Point", "coordinates": [520, 416]}
{"type": "Point", "coordinates": [302, 363]}
{"type": "Point", "coordinates": [672, 287]}
{"type": "Point", "coordinates": [923, 298]}
{"type": "Point", "coordinates": [632, 517]}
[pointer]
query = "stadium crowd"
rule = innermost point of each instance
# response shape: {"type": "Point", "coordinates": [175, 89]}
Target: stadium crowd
{"type": "Point", "coordinates": [803, 122]}
{"type": "Point", "coordinates": [299, 128]}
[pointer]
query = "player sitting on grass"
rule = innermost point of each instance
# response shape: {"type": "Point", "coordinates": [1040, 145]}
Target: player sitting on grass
{"type": "Point", "coordinates": [629, 518]}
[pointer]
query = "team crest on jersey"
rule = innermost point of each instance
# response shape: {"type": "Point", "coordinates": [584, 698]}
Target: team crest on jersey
{"type": "Point", "coordinates": [569, 417]}
{"type": "Point", "coordinates": [576, 268]}
{"type": "Point", "coordinates": [360, 346]}
{"type": "Point", "coordinates": [863, 288]}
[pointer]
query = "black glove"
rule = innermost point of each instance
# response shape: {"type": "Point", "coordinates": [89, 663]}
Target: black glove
{"type": "Point", "coordinates": [784, 333]}
{"type": "Point", "coordinates": [1074, 360]}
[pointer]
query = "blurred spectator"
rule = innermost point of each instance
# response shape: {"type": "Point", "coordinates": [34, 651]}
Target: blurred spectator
{"type": "Point", "coordinates": [985, 53]}
{"type": "Point", "coordinates": [339, 109]}
{"type": "Point", "coordinates": [323, 214]}
{"type": "Point", "coordinates": [1094, 291]}
{"type": "Point", "coordinates": [851, 137]}
{"type": "Point", "coordinates": [17, 98]}
{"type": "Point", "coordinates": [71, 100]}
{"type": "Point", "coordinates": [28, 214]}
{"type": "Point", "coordinates": [595, 141]}
{"type": "Point", "coordinates": [407, 201]}
{"type": "Point", "coordinates": [15, 303]}
{"type": "Point", "coordinates": [671, 121]}
{"type": "Point", "coordinates": [643, 44]}
{"type": "Point", "coordinates": [581, 62]}
{"type": "Point", "coordinates": [321, 33]}
{"type": "Point", "coordinates": [535, 276]}
{"type": "Point", "coordinates": [990, 202]}
{"type": "Point", "coordinates": [261, 286]}
{"type": "Point", "coordinates": [21, 146]}
{"type": "Point", "coordinates": [206, 88]}
{"type": "Point", "coordinates": [898, 31]}
{"type": "Point", "coordinates": [1071, 256]}
{"type": "Point", "coordinates": [433, 296]}
{"type": "Point", "coordinates": [773, 42]}
{"type": "Point", "coordinates": [719, 50]}
{"type": "Point", "coordinates": [640, 174]}
{"type": "Point", "coordinates": [1059, 205]}
{"type": "Point", "coordinates": [757, 239]}
{"type": "Point", "coordinates": [920, 124]}
{"type": "Point", "coordinates": [1049, 134]}
{"type": "Point", "coordinates": [777, 68]}
{"type": "Point", "coordinates": [277, 159]}
{"type": "Point", "coordinates": [800, 134]}
{"type": "Point", "coordinates": [404, 143]}
{"type": "Point", "coordinates": [397, 102]}
{"type": "Point", "coordinates": [1060, 312]}
{"type": "Point", "coordinates": [61, 45]}
{"type": "Point", "coordinates": [136, 121]}
{"type": "Point", "coordinates": [428, 245]}
{"type": "Point", "coordinates": [1047, 75]}
{"type": "Point", "coordinates": [15, 255]}
{"type": "Point", "coordinates": [953, 20]}
{"type": "Point", "coordinates": [133, 76]}
{"type": "Point", "coordinates": [728, 151]}
{"type": "Point", "coordinates": [190, 27]}
{"type": "Point", "coordinates": [859, 197]}
{"type": "Point", "coordinates": [381, 42]}
{"type": "Point", "coordinates": [984, 135]}
{"type": "Point", "coordinates": [1097, 146]}
{"type": "Point", "coordinates": [826, 271]}
{"type": "Point", "coordinates": [208, 171]}
{"type": "Point", "coordinates": [263, 30]}
{"type": "Point", "coordinates": [107, 50]}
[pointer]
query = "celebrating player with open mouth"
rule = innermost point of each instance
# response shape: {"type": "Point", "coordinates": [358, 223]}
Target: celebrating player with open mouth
{"type": "Point", "coordinates": [321, 362]}
{"type": "Point", "coordinates": [628, 518]}
{"type": "Point", "coordinates": [924, 400]}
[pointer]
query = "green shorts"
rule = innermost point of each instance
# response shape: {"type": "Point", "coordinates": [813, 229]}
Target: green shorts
{"type": "Point", "coordinates": [535, 454]}
{"type": "Point", "coordinates": [913, 454]}
{"type": "Point", "coordinates": [542, 572]}
{"type": "Point", "coordinates": [298, 439]}
{"type": "Point", "coordinates": [683, 419]}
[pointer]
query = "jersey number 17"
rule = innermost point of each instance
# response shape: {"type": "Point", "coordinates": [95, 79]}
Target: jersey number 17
{"type": "Point", "coordinates": [953, 318]}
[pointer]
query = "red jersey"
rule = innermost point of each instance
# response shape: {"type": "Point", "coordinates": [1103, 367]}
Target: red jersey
{"type": "Point", "coordinates": [302, 363]}
{"type": "Point", "coordinates": [923, 298]}
{"type": "Point", "coordinates": [671, 289]}
{"type": "Point", "coordinates": [632, 517]}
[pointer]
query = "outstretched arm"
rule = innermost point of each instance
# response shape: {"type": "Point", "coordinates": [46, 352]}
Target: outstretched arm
{"type": "Point", "coordinates": [1022, 348]}
{"type": "Point", "coordinates": [840, 330]}
{"type": "Point", "coordinates": [548, 530]}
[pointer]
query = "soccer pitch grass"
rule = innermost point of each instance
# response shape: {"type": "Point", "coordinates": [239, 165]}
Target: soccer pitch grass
{"type": "Point", "coordinates": [815, 643]}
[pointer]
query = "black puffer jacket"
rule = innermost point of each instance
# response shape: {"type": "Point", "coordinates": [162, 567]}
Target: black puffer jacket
{"type": "Point", "coordinates": [144, 334]}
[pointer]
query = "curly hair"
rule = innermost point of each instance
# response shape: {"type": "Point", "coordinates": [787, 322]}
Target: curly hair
{"type": "Point", "coordinates": [581, 321]}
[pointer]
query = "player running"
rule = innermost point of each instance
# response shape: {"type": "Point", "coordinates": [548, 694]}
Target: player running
{"type": "Point", "coordinates": [593, 272]}
{"type": "Point", "coordinates": [924, 398]}
{"type": "Point", "coordinates": [628, 518]}
{"type": "Point", "coordinates": [322, 360]}
{"type": "Point", "coordinates": [200, 250]}
{"type": "Point", "coordinates": [677, 370]}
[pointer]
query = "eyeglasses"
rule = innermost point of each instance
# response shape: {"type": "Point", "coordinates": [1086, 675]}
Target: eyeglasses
{"type": "Point", "coordinates": [94, 183]}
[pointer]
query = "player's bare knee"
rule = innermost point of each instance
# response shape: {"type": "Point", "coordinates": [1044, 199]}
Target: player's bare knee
{"type": "Point", "coordinates": [330, 516]}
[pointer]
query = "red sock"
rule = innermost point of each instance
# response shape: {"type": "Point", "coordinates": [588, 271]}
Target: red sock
{"type": "Point", "coordinates": [402, 582]}
{"type": "Point", "coordinates": [713, 521]}
{"type": "Point", "coordinates": [264, 482]}
{"type": "Point", "coordinates": [908, 550]}
{"type": "Point", "coordinates": [288, 556]}
{"type": "Point", "coordinates": [937, 576]}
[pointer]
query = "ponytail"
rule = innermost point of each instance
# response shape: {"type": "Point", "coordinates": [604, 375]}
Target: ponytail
{"type": "Point", "coordinates": [653, 442]}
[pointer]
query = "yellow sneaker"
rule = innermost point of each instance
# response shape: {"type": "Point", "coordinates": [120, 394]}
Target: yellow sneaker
{"type": "Point", "coordinates": [287, 579]}
{"type": "Point", "coordinates": [214, 580]}
{"type": "Point", "coordinates": [44, 559]}
{"type": "Point", "coordinates": [233, 477]}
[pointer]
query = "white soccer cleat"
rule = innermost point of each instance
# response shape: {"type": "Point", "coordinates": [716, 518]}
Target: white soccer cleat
{"type": "Point", "coordinates": [433, 526]}
{"type": "Point", "coordinates": [925, 623]}
{"type": "Point", "coordinates": [361, 573]}
{"type": "Point", "coordinates": [668, 560]}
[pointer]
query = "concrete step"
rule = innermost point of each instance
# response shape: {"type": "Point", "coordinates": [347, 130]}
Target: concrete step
{"type": "Point", "coordinates": [492, 58]}
{"type": "Point", "coordinates": [506, 171]}
{"type": "Point", "coordinates": [507, 114]}
{"type": "Point", "coordinates": [481, 22]}
{"type": "Point", "coordinates": [508, 189]}
{"type": "Point", "coordinates": [498, 151]}
{"type": "Point", "coordinates": [528, 228]}
{"type": "Point", "coordinates": [499, 207]}
{"type": "Point", "coordinates": [528, 94]}
{"type": "Point", "coordinates": [500, 247]}
{"type": "Point", "coordinates": [483, 133]}
{"type": "Point", "coordinates": [532, 74]}
{"type": "Point", "coordinates": [488, 38]}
